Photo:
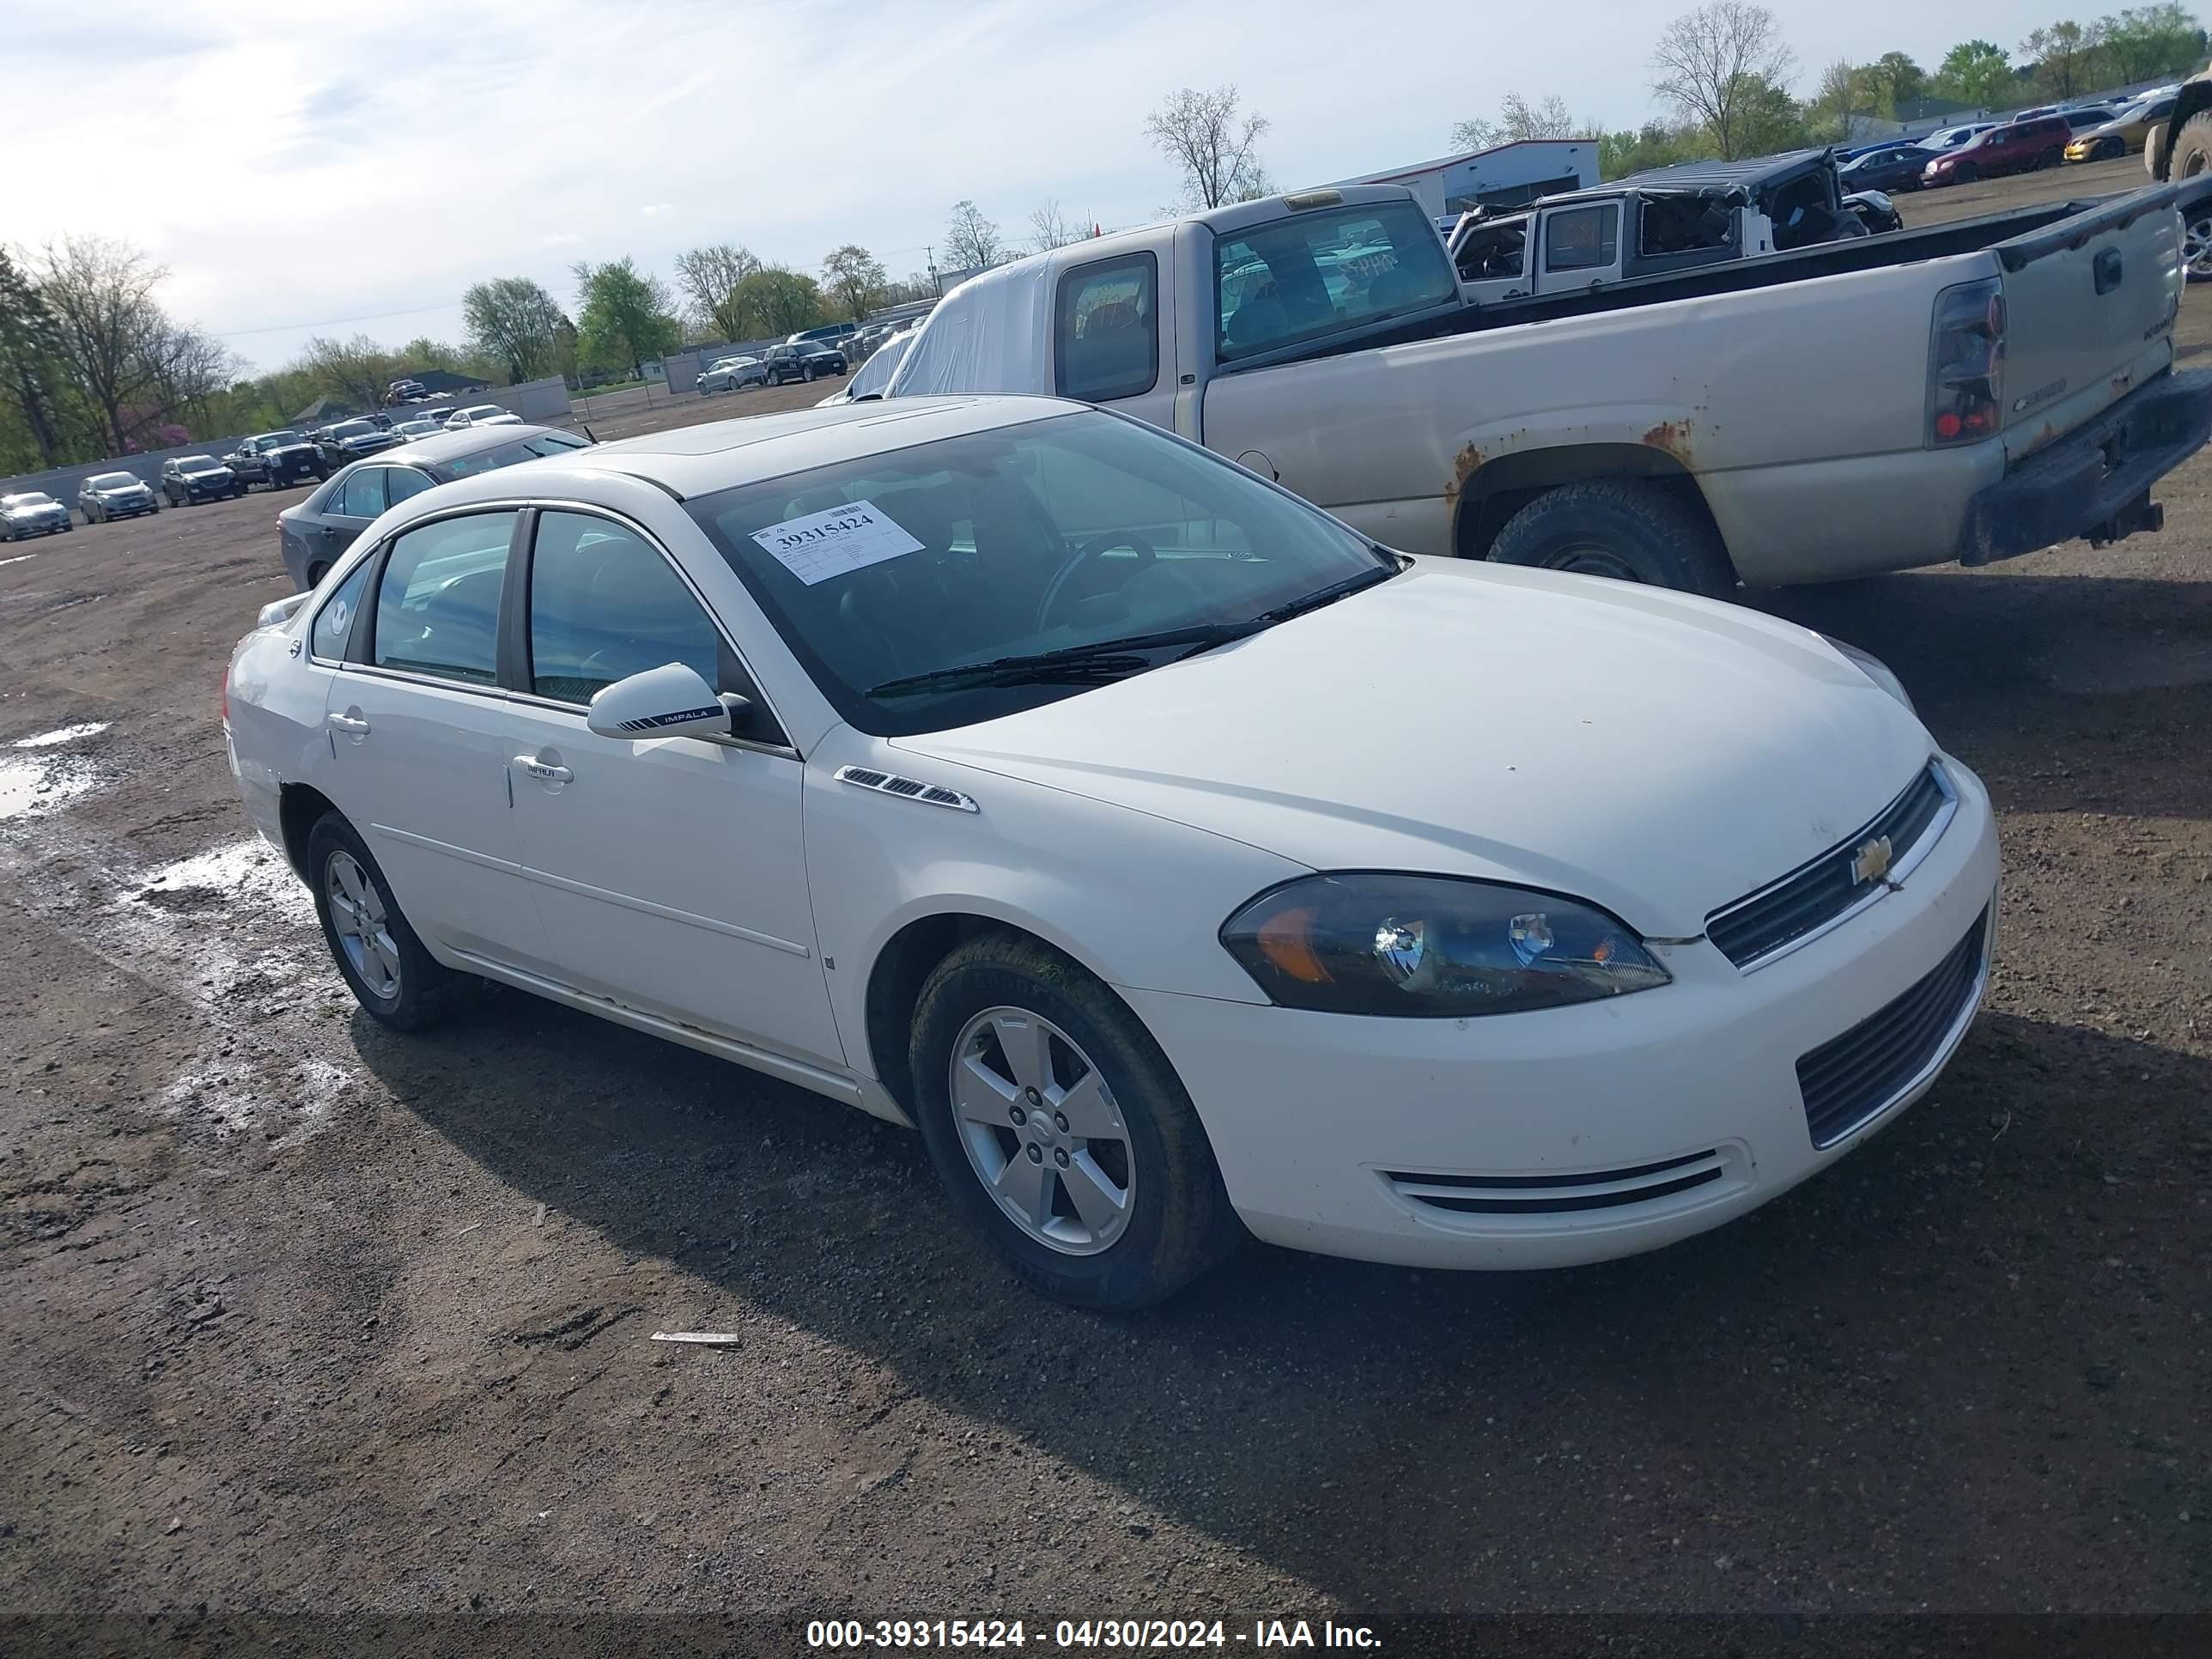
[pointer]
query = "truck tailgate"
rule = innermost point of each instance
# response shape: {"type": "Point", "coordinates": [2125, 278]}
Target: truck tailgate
{"type": "Point", "coordinates": [2089, 308]}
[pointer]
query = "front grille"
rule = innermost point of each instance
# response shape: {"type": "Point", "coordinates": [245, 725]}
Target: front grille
{"type": "Point", "coordinates": [1550, 1195]}
{"type": "Point", "coordinates": [1850, 1080]}
{"type": "Point", "coordinates": [1810, 897]}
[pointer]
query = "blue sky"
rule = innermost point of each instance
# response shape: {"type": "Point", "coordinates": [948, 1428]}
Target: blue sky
{"type": "Point", "coordinates": [316, 168]}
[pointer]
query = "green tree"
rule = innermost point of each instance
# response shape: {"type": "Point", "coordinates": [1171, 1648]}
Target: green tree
{"type": "Point", "coordinates": [2065, 56]}
{"type": "Point", "coordinates": [627, 316]}
{"type": "Point", "coordinates": [1975, 74]}
{"type": "Point", "coordinates": [774, 301]}
{"type": "Point", "coordinates": [1895, 80]}
{"type": "Point", "coordinates": [514, 321]}
{"type": "Point", "coordinates": [1768, 120]}
{"type": "Point", "coordinates": [2146, 42]}
{"type": "Point", "coordinates": [30, 365]}
{"type": "Point", "coordinates": [854, 278]}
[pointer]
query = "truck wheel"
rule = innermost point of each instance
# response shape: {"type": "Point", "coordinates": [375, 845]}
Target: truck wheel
{"type": "Point", "coordinates": [1630, 529]}
{"type": "Point", "coordinates": [1060, 1132]}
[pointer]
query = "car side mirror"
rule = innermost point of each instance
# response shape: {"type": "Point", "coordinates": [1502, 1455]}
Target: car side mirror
{"type": "Point", "coordinates": [670, 700]}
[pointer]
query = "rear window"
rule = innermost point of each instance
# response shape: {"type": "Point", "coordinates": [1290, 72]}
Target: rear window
{"type": "Point", "coordinates": [1321, 272]}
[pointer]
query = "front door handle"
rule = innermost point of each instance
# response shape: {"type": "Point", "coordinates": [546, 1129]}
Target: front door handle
{"type": "Point", "coordinates": [545, 771]}
{"type": "Point", "coordinates": [352, 725]}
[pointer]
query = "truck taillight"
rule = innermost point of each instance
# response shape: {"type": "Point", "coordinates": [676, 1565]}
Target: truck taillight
{"type": "Point", "coordinates": [1965, 364]}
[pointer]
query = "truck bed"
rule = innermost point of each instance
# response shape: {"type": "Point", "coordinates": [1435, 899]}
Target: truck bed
{"type": "Point", "coordinates": [1763, 270]}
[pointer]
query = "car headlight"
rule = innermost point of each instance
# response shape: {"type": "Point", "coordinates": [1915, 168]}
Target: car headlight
{"type": "Point", "coordinates": [1431, 947]}
{"type": "Point", "coordinates": [1875, 670]}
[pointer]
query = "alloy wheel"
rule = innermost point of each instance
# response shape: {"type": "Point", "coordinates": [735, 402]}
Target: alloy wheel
{"type": "Point", "coordinates": [364, 932]}
{"type": "Point", "coordinates": [1041, 1131]}
{"type": "Point", "coordinates": [2196, 247]}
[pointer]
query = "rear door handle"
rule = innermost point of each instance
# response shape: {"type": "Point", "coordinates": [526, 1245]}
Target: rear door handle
{"type": "Point", "coordinates": [350, 724]}
{"type": "Point", "coordinates": [544, 770]}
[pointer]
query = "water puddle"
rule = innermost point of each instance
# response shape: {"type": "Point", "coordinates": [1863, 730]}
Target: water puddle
{"type": "Point", "coordinates": [30, 787]}
{"type": "Point", "coordinates": [287, 1103]}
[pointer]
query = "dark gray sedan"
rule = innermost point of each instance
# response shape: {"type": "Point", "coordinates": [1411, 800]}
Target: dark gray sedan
{"type": "Point", "coordinates": [188, 478]}
{"type": "Point", "coordinates": [107, 495]}
{"type": "Point", "coordinates": [312, 535]}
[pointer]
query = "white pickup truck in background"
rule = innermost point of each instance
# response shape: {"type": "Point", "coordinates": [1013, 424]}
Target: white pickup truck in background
{"type": "Point", "coordinates": [1968, 392]}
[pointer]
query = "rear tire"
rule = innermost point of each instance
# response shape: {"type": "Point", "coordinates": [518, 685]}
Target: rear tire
{"type": "Point", "coordinates": [1630, 529]}
{"type": "Point", "coordinates": [398, 983]}
{"type": "Point", "coordinates": [1176, 1219]}
{"type": "Point", "coordinates": [315, 575]}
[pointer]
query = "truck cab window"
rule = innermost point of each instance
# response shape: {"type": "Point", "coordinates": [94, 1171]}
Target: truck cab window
{"type": "Point", "coordinates": [1106, 330]}
{"type": "Point", "coordinates": [1496, 251]}
{"type": "Point", "coordinates": [1319, 271]}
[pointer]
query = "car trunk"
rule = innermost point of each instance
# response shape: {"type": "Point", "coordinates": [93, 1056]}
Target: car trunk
{"type": "Point", "coordinates": [2088, 316]}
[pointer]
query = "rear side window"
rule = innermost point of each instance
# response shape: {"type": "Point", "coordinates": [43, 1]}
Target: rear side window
{"type": "Point", "coordinates": [1106, 330]}
{"type": "Point", "coordinates": [1318, 271]}
{"type": "Point", "coordinates": [334, 621]}
{"type": "Point", "coordinates": [1582, 239]}
{"type": "Point", "coordinates": [603, 605]}
{"type": "Point", "coordinates": [362, 494]}
{"type": "Point", "coordinates": [401, 481]}
{"type": "Point", "coordinates": [437, 608]}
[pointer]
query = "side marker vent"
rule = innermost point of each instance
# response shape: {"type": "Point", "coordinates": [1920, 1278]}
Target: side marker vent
{"type": "Point", "coordinates": [890, 783]}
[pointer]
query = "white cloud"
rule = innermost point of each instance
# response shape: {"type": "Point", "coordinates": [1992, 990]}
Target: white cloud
{"type": "Point", "coordinates": [365, 164]}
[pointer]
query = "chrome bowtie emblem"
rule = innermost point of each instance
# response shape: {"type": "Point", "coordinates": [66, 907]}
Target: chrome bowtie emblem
{"type": "Point", "coordinates": [1871, 862]}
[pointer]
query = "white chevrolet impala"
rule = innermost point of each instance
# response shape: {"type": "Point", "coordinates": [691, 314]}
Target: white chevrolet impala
{"type": "Point", "coordinates": [1178, 862]}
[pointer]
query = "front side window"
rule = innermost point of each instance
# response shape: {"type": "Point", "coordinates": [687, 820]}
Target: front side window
{"type": "Point", "coordinates": [1079, 533]}
{"type": "Point", "coordinates": [363, 494]}
{"type": "Point", "coordinates": [334, 622]}
{"type": "Point", "coordinates": [1582, 239]}
{"type": "Point", "coordinates": [1495, 252]}
{"type": "Point", "coordinates": [604, 604]}
{"type": "Point", "coordinates": [1319, 271]}
{"type": "Point", "coordinates": [1106, 330]}
{"type": "Point", "coordinates": [437, 606]}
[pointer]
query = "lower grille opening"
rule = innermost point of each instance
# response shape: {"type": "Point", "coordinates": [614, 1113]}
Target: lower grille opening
{"type": "Point", "coordinates": [1851, 1080]}
{"type": "Point", "coordinates": [1559, 1195]}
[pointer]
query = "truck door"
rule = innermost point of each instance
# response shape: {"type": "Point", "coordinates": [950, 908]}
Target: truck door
{"type": "Point", "coordinates": [1582, 248]}
{"type": "Point", "coordinates": [1108, 346]}
{"type": "Point", "coordinates": [1493, 260]}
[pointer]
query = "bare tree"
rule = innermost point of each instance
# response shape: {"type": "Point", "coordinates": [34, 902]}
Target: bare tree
{"type": "Point", "coordinates": [971, 241]}
{"type": "Point", "coordinates": [707, 277]}
{"type": "Point", "coordinates": [1049, 228]}
{"type": "Point", "coordinates": [1212, 145]}
{"type": "Point", "coordinates": [1714, 63]}
{"type": "Point", "coordinates": [357, 370]}
{"type": "Point", "coordinates": [99, 292]}
{"type": "Point", "coordinates": [185, 370]}
{"type": "Point", "coordinates": [1518, 119]}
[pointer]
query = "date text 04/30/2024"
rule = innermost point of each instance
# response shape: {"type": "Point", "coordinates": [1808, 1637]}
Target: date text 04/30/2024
{"type": "Point", "coordinates": [1086, 1633]}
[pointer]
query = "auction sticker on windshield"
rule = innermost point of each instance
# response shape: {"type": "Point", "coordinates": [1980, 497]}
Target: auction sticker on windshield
{"type": "Point", "coordinates": [845, 538]}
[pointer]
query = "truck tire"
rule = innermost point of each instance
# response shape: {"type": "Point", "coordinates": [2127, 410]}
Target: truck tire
{"type": "Point", "coordinates": [1629, 529]}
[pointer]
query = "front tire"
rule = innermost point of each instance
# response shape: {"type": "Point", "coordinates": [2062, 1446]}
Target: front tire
{"type": "Point", "coordinates": [398, 982]}
{"type": "Point", "coordinates": [1630, 529]}
{"type": "Point", "coordinates": [1062, 1133]}
{"type": "Point", "coordinates": [1966, 173]}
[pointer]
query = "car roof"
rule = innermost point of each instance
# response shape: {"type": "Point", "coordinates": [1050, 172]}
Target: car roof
{"type": "Point", "coordinates": [444, 445]}
{"type": "Point", "coordinates": [699, 460]}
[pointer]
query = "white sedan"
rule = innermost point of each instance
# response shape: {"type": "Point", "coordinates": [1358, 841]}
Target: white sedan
{"type": "Point", "coordinates": [481, 415]}
{"type": "Point", "coordinates": [1178, 862]}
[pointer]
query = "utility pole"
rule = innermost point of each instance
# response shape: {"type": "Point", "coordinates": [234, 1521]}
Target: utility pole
{"type": "Point", "coordinates": [929, 253]}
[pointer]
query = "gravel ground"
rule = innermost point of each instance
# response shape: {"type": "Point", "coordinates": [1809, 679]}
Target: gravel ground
{"type": "Point", "coordinates": [304, 1317]}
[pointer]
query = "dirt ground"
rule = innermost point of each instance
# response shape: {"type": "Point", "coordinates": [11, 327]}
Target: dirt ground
{"type": "Point", "coordinates": [302, 1317]}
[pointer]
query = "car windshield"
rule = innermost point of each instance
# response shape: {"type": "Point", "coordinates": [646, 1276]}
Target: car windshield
{"type": "Point", "coordinates": [279, 438]}
{"type": "Point", "coordinates": [976, 576]}
{"type": "Point", "coordinates": [199, 463]}
{"type": "Point", "coordinates": [351, 429]}
{"type": "Point", "coordinates": [28, 498]}
{"type": "Point", "coordinates": [111, 481]}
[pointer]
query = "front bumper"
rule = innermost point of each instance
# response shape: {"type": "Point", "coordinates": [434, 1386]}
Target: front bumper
{"type": "Point", "coordinates": [2095, 481]}
{"type": "Point", "coordinates": [46, 524]}
{"type": "Point", "coordinates": [1586, 1133]}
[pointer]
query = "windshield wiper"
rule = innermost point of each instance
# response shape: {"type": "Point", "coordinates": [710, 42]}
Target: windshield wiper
{"type": "Point", "coordinates": [1357, 582]}
{"type": "Point", "coordinates": [1102, 660]}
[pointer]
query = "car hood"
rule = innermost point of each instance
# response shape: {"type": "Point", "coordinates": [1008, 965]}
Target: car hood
{"type": "Point", "coordinates": [1655, 753]}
